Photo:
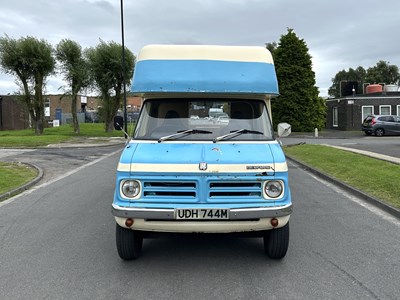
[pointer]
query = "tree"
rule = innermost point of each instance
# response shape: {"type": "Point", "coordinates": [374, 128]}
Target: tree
{"type": "Point", "coordinates": [31, 61]}
{"type": "Point", "coordinates": [383, 72]}
{"type": "Point", "coordinates": [298, 103]}
{"type": "Point", "coordinates": [358, 75]}
{"type": "Point", "coordinates": [106, 67]}
{"type": "Point", "coordinates": [271, 47]}
{"type": "Point", "coordinates": [74, 66]}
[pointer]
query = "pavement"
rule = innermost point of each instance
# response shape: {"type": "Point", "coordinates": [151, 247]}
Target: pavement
{"type": "Point", "coordinates": [88, 142]}
{"type": "Point", "coordinates": [326, 134]}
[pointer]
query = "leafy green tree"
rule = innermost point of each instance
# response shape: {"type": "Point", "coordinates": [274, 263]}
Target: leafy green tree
{"type": "Point", "coordinates": [74, 67]}
{"type": "Point", "coordinates": [31, 61]}
{"type": "Point", "coordinates": [341, 77]}
{"type": "Point", "coordinates": [105, 62]}
{"type": "Point", "coordinates": [383, 72]}
{"type": "Point", "coordinates": [298, 103]}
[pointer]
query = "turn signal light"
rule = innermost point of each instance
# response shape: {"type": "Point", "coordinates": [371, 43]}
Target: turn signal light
{"type": "Point", "coordinates": [128, 222]}
{"type": "Point", "coordinates": [274, 222]}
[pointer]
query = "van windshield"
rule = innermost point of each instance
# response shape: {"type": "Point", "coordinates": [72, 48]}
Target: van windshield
{"type": "Point", "coordinates": [204, 119]}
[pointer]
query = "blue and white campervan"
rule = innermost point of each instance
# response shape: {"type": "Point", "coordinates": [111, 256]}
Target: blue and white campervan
{"type": "Point", "coordinates": [203, 157]}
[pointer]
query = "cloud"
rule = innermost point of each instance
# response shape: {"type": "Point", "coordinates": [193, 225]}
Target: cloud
{"type": "Point", "coordinates": [339, 34]}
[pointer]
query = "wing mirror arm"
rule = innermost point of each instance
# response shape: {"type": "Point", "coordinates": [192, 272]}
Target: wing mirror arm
{"type": "Point", "coordinates": [118, 125]}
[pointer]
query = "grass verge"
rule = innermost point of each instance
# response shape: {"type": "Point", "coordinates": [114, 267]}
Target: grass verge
{"type": "Point", "coordinates": [55, 135]}
{"type": "Point", "coordinates": [14, 175]}
{"type": "Point", "coordinates": [375, 177]}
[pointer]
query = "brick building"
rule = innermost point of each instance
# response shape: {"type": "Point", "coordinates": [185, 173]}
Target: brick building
{"type": "Point", "coordinates": [348, 112]}
{"type": "Point", "coordinates": [14, 115]}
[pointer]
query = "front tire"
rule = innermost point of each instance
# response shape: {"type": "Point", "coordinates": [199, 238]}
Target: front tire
{"type": "Point", "coordinates": [129, 243]}
{"type": "Point", "coordinates": [276, 242]}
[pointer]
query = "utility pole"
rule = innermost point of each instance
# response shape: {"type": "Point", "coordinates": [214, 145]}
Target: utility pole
{"type": "Point", "coordinates": [123, 68]}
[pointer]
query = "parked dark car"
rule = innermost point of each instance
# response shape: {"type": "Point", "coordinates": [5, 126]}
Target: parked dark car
{"type": "Point", "coordinates": [381, 125]}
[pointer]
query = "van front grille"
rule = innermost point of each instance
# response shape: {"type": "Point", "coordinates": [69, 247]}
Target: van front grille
{"type": "Point", "coordinates": [177, 189]}
{"type": "Point", "coordinates": [235, 189]}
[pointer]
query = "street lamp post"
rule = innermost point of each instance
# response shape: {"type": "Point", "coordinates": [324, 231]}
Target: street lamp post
{"type": "Point", "coordinates": [123, 68]}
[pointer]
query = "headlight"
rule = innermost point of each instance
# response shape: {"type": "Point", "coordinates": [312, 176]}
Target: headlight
{"type": "Point", "coordinates": [273, 188]}
{"type": "Point", "coordinates": [130, 188]}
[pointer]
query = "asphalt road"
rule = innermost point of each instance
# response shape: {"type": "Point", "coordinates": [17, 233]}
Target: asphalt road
{"type": "Point", "coordinates": [56, 162]}
{"type": "Point", "coordinates": [57, 242]}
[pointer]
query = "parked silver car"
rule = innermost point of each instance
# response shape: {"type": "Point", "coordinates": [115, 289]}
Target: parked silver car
{"type": "Point", "coordinates": [381, 125]}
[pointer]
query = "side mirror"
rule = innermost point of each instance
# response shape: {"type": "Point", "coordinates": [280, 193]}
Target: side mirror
{"type": "Point", "coordinates": [118, 122]}
{"type": "Point", "coordinates": [284, 129]}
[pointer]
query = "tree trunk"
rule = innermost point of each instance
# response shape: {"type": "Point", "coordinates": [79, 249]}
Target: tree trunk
{"type": "Point", "coordinates": [111, 105]}
{"type": "Point", "coordinates": [74, 114]}
{"type": "Point", "coordinates": [39, 105]}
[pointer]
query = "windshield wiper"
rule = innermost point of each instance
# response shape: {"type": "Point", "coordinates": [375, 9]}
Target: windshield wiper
{"type": "Point", "coordinates": [183, 133]}
{"type": "Point", "coordinates": [235, 133]}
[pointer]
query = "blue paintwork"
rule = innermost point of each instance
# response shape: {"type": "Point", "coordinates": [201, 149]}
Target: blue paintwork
{"type": "Point", "coordinates": [194, 153]}
{"type": "Point", "coordinates": [276, 151]}
{"type": "Point", "coordinates": [204, 76]}
{"type": "Point", "coordinates": [202, 199]}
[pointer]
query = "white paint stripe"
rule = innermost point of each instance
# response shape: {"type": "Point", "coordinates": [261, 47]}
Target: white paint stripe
{"type": "Point", "coordinates": [211, 168]}
{"type": "Point", "coordinates": [205, 52]}
{"type": "Point", "coordinates": [12, 199]}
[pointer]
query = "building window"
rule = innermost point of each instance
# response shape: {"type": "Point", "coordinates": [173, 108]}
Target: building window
{"type": "Point", "coordinates": [385, 109]}
{"type": "Point", "coordinates": [366, 111]}
{"type": "Point", "coordinates": [398, 110]}
{"type": "Point", "coordinates": [335, 117]}
{"type": "Point", "coordinates": [47, 107]}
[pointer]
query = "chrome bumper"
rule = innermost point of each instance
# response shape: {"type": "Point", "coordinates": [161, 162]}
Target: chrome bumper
{"type": "Point", "coordinates": [235, 214]}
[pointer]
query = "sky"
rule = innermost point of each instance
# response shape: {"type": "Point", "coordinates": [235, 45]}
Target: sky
{"type": "Point", "coordinates": [340, 34]}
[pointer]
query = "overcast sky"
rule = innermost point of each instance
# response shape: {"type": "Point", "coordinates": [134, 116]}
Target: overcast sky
{"type": "Point", "coordinates": [339, 33]}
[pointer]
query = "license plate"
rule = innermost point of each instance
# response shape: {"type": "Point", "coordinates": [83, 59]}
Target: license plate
{"type": "Point", "coordinates": [201, 214]}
